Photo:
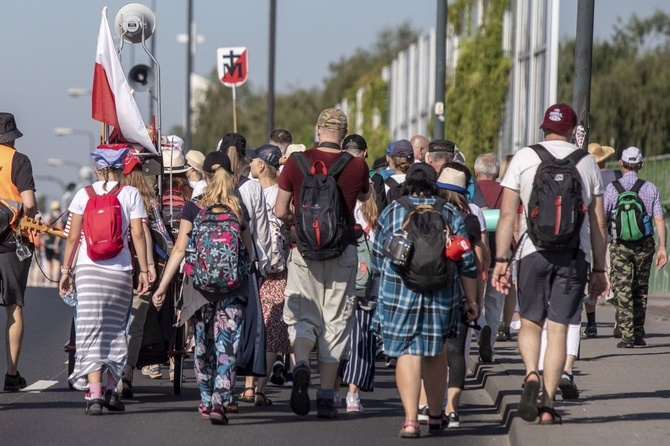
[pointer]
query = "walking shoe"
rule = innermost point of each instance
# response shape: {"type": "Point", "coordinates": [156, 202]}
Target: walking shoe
{"type": "Point", "coordinates": [485, 350]}
{"type": "Point", "coordinates": [454, 421]}
{"type": "Point", "coordinates": [14, 383]}
{"type": "Point", "coordinates": [591, 331]}
{"type": "Point", "coordinates": [379, 350]}
{"type": "Point", "coordinates": [617, 331]}
{"type": "Point", "coordinates": [390, 363]}
{"type": "Point", "coordinates": [300, 402]}
{"type": "Point", "coordinates": [204, 411]}
{"type": "Point", "coordinates": [337, 399]}
{"type": "Point", "coordinates": [94, 407]}
{"type": "Point", "coordinates": [639, 341]}
{"type": "Point", "coordinates": [277, 376]}
{"type": "Point", "coordinates": [218, 415]}
{"type": "Point", "coordinates": [325, 408]}
{"type": "Point", "coordinates": [113, 401]}
{"type": "Point", "coordinates": [289, 380]}
{"type": "Point", "coordinates": [503, 333]}
{"type": "Point", "coordinates": [354, 403]}
{"type": "Point", "coordinates": [437, 425]}
{"type": "Point", "coordinates": [623, 344]}
{"type": "Point", "coordinates": [423, 414]}
{"type": "Point", "coordinates": [569, 389]}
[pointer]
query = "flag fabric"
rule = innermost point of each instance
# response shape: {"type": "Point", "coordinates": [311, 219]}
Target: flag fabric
{"type": "Point", "coordinates": [113, 101]}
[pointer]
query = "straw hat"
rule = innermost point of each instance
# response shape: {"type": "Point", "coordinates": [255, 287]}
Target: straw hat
{"type": "Point", "coordinates": [195, 159]}
{"type": "Point", "coordinates": [600, 153]}
{"type": "Point", "coordinates": [173, 161]}
{"type": "Point", "coordinates": [452, 179]}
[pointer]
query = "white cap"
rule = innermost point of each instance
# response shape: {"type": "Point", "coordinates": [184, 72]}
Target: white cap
{"type": "Point", "coordinates": [632, 155]}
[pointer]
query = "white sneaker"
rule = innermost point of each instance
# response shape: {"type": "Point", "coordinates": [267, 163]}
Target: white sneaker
{"type": "Point", "coordinates": [354, 403]}
{"type": "Point", "coordinates": [423, 414]}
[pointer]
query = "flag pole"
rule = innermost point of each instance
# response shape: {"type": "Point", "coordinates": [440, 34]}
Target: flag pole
{"type": "Point", "coordinates": [234, 111]}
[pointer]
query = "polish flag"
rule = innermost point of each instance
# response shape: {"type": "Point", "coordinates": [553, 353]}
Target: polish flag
{"type": "Point", "coordinates": [113, 101]}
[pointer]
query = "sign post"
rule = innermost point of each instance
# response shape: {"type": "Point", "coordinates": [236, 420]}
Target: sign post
{"type": "Point", "coordinates": [233, 68]}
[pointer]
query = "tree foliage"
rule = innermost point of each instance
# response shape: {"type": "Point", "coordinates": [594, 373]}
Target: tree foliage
{"type": "Point", "coordinates": [475, 99]}
{"type": "Point", "coordinates": [629, 85]}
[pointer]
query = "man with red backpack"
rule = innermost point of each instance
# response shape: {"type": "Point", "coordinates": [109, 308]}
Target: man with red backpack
{"type": "Point", "coordinates": [323, 184]}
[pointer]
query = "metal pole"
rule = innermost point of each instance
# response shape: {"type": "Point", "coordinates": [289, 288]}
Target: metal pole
{"type": "Point", "coordinates": [271, 67]}
{"type": "Point", "coordinates": [440, 69]}
{"type": "Point", "coordinates": [153, 51]}
{"type": "Point", "coordinates": [234, 110]}
{"type": "Point", "coordinates": [581, 100]}
{"type": "Point", "coordinates": [189, 69]}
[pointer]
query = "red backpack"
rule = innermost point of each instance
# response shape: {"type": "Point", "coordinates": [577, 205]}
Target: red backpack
{"type": "Point", "coordinates": [103, 224]}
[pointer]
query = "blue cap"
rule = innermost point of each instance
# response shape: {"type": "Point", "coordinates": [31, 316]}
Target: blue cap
{"type": "Point", "coordinates": [269, 153]}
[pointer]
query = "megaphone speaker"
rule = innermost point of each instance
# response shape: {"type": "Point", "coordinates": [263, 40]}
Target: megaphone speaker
{"type": "Point", "coordinates": [141, 77]}
{"type": "Point", "coordinates": [135, 21]}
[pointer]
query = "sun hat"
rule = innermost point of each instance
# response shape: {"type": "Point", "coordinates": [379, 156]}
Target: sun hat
{"type": "Point", "coordinates": [195, 159]}
{"type": "Point", "coordinates": [452, 179]}
{"type": "Point", "coordinates": [600, 153]}
{"type": "Point", "coordinates": [8, 130]}
{"type": "Point", "coordinates": [173, 161]}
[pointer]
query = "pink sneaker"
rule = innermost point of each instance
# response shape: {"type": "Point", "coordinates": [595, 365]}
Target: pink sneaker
{"type": "Point", "coordinates": [354, 403]}
{"type": "Point", "coordinates": [204, 411]}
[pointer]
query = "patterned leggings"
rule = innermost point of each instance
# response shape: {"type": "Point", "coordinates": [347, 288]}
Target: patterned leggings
{"type": "Point", "coordinates": [218, 326]}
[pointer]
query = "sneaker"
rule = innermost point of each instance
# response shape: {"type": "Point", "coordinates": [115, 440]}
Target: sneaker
{"type": "Point", "coordinates": [437, 425]}
{"type": "Point", "coordinates": [423, 414]}
{"type": "Point", "coordinates": [205, 411]}
{"type": "Point", "coordinates": [454, 421]}
{"type": "Point", "coordinates": [503, 333]}
{"type": "Point", "coordinates": [515, 325]}
{"type": "Point", "coordinates": [568, 387]}
{"type": "Point", "coordinates": [325, 408]}
{"type": "Point", "coordinates": [14, 383]}
{"type": "Point", "coordinates": [379, 351]}
{"type": "Point", "coordinates": [277, 376]}
{"type": "Point", "coordinates": [639, 341]}
{"type": "Point", "coordinates": [337, 400]}
{"type": "Point", "coordinates": [591, 331]}
{"type": "Point", "coordinates": [218, 415]}
{"type": "Point", "coordinates": [354, 403]}
{"type": "Point", "coordinates": [485, 350]}
{"type": "Point", "coordinates": [623, 344]}
{"type": "Point", "coordinates": [300, 402]}
{"type": "Point", "coordinates": [94, 407]}
{"type": "Point", "coordinates": [289, 380]}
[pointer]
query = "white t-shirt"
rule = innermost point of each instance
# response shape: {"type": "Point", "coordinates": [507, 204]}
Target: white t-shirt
{"type": "Point", "coordinates": [398, 177]}
{"type": "Point", "coordinates": [476, 210]}
{"type": "Point", "coordinates": [131, 207]}
{"type": "Point", "coordinates": [521, 173]}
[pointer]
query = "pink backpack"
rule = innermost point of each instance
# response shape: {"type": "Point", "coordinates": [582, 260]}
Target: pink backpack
{"type": "Point", "coordinates": [103, 224]}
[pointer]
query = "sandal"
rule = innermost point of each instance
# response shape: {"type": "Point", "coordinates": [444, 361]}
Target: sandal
{"type": "Point", "coordinates": [528, 404]}
{"type": "Point", "coordinates": [437, 424]}
{"type": "Point", "coordinates": [555, 418]}
{"type": "Point", "coordinates": [232, 408]}
{"type": "Point", "coordinates": [171, 375]}
{"type": "Point", "coordinates": [113, 401]}
{"type": "Point", "coordinates": [415, 433]}
{"type": "Point", "coordinates": [247, 399]}
{"type": "Point", "coordinates": [152, 371]}
{"type": "Point", "coordinates": [264, 400]}
{"type": "Point", "coordinates": [94, 407]}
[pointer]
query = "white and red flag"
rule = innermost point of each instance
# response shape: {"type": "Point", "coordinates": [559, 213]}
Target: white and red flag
{"type": "Point", "coordinates": [113, 101]}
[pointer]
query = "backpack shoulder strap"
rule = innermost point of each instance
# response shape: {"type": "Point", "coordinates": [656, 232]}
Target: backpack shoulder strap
{"type": "Point", "coordinates": [90, 191]}
{"type": "Point", "coordinates": [439, 204]}
{"type": "Point", "coordinates": [116, 189]}
{"type": "Point", "coordinates": [301, 161]}
{"type": "Point", "coordinates": [576, 156]}
{"type": "Point", "coordinates": [406, 203]}
{"type": "Point", "coordinates": [542, 152]}
{"type": "Point", "coordinates": [391, 182]}
{"type": "Point", "coordinates": [340, 163]}
{"type": "Point", "coordinates": [636, 187]}
{"type": "Point", "coordinates": [618, 174]}
{"type": "Point", "coordinates": [619, 188]}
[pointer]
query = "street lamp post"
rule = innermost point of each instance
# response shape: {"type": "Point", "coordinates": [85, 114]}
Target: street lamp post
{"type": "Point", "coordinates": [65, 131]}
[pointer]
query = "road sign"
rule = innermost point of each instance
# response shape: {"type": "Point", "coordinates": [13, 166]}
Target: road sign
{"type": "Point", "coordinates": [232, 63]}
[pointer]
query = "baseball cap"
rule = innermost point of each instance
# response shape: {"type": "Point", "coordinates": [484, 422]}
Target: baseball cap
{"type": "Point", "coordinates": [130, 162]}
{"type": "Point", "coordinates": [216, 159]}
{"type": "Point", "coordinates": [402, 149]}
{"type": "Point", "coordinates": [559, 118]}
{"type": "Point", "coordinates": [332, 118]}
{"type": "Point", "coordinates": [380, 163]}
{"type": "Point", "coordinates": [269, 153]}
{"type": "Point", "coordinates": [354, 142]}
{"type": "Point", "coordinates": [421, 171]}
{"type": "Point", "coordinates": [232, 139]}
{"type": "Point", "coordinates": [631, 155]}
{"type": "Point", "coordinates": [441, 145]}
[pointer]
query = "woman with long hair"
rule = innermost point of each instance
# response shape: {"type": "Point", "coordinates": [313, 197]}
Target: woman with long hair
{"type": "Point", "coordinates": [217, 318]}
{"type": "Point", "coordinates": [104, 287]}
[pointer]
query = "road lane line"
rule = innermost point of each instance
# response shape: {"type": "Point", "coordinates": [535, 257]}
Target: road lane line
{"type": "Point", "coordinates": [38, 386]}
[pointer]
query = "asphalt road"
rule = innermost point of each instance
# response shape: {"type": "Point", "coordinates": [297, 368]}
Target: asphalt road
{"type": "Point", "coordinates": [47, 412]}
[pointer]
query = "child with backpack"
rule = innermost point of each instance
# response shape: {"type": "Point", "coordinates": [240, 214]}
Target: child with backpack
{"type": "Point", "coordinates": [102, 213]}
{"type": "Point", "coordinates": [214, 230]}
{"type": "Point", "coordinates": [421, 292]}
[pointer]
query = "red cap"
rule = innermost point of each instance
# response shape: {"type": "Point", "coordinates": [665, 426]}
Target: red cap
{"type": "Point", "coordinates": [559, 118]}
{"type": "Point", "coordinates": [130, 162]}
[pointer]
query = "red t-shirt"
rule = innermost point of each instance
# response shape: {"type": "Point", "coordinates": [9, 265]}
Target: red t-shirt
{"type": "Point", "coordinates": [354, 179]}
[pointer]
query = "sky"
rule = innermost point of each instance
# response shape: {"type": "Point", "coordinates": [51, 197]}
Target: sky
{"type": "Point", "coordinates": [49, 47]}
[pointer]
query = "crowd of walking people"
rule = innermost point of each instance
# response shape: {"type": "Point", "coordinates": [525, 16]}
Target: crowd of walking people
{"type": "Point", "coordinates": [281, 254]}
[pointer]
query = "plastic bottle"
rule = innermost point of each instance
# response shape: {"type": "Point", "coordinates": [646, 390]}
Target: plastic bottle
{"type": "Point", "coordinates": [71, 298]}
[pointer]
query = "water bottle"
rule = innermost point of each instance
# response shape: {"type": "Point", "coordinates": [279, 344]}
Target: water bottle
{"type": "Point", "coordinates": [71, 298]}
{"type": "Point", "coordinates": [191, 245]}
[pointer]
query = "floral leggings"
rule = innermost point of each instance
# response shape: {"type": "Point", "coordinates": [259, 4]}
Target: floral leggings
{"type": "Point", "coordinates": [218, 326]}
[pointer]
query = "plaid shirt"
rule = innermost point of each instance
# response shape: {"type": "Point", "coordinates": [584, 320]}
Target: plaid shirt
{"type": "Point", "coordinates": [648, 194]}
{"type": "Point", "coordinates": [411, 322]}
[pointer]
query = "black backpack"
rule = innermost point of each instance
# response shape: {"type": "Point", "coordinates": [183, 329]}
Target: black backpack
{"type": "Point", "coordinates": [323, 227]}
{"type": "Point", "coordinates": [395, 190]}
{"type": "Point", "coordinates": [427, 268]}
{"type": "Point", "coordinates": [556, 209]}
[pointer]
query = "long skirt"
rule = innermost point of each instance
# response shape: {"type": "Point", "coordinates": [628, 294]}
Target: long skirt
{"type": "Point", "coordinates": [104, 297]}
{"type": "Point", "coordinates": [272, 301]}
{"type": "Point", "coordinates": [359, 369]}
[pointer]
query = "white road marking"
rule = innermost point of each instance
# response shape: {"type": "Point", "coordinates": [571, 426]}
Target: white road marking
{"type": "Point", "coordinates": [40, 385]}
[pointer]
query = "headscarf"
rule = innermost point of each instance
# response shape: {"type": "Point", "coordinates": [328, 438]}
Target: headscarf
{"type": "Point", "coordinates": [110, 155]}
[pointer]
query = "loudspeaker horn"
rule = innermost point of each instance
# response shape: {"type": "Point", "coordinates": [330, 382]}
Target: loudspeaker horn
{"type": "Point", "coordinates": [132, 19]}
{"type": "Point", "coordinates": [141, 77]}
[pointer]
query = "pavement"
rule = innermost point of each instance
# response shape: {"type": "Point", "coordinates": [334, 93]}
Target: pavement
{"type": "Point", "coordinates": [624, 393]}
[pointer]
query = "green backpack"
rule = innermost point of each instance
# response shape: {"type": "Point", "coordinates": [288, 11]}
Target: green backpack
{"type": "Point", "coordinates": [629, 213]}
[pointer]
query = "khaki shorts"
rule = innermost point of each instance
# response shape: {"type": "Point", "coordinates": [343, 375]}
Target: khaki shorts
{"type": "Point", "coordinates": [320, 299]}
